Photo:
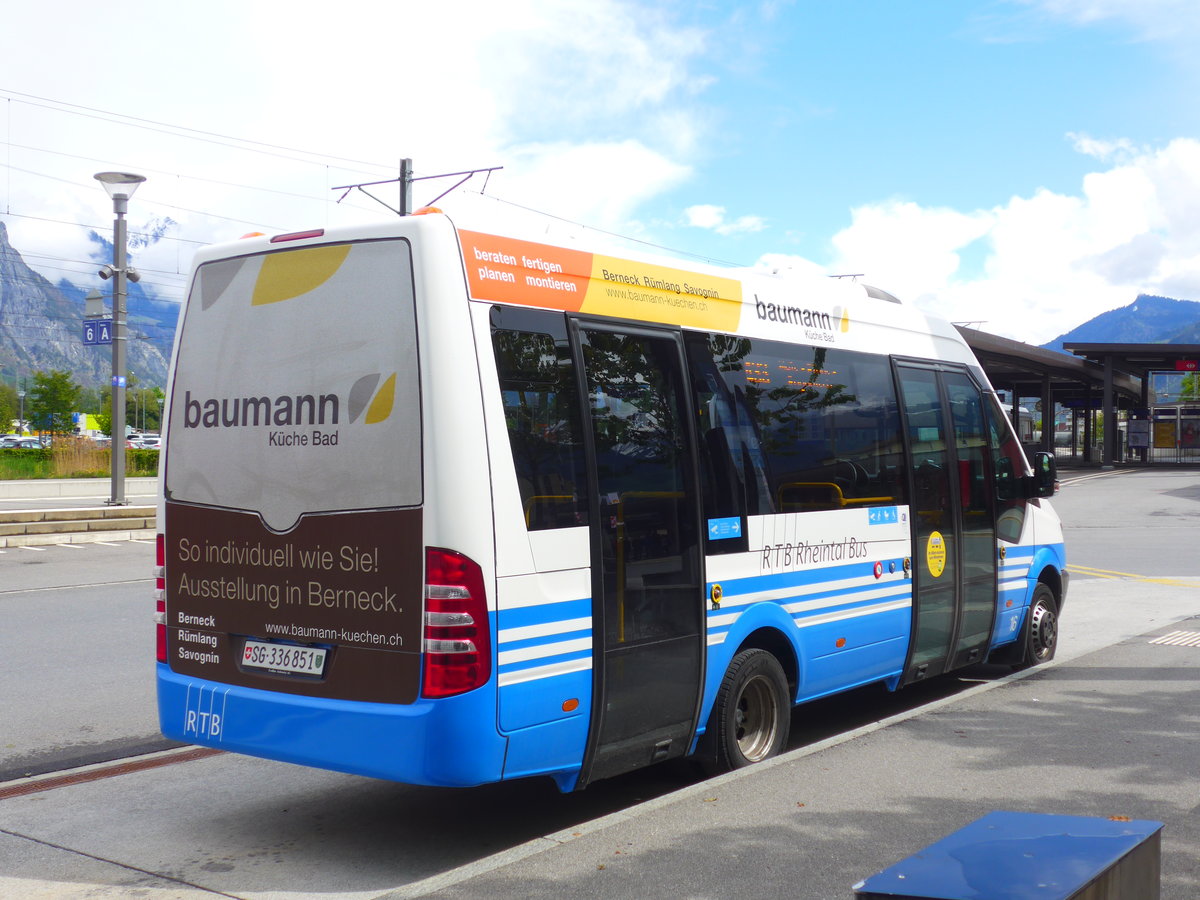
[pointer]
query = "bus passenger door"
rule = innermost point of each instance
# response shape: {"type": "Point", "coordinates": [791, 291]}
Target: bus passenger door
{"type": "Point", "coordinates": [647, 565]}
{"type": "Point", "coordinates": [954, 532]}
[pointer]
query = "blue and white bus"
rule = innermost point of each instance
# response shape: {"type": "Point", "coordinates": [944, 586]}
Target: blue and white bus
{"type": "Point", "coordinates": [448, 508]}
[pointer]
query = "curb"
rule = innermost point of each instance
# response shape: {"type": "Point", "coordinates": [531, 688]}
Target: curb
{"type": "Point", "coordinates": [74, 487]}
{"type": "Point", "coordinates": [83, 537]}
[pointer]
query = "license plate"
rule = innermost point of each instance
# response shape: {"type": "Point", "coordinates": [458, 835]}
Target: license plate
{"type": "Point", "coordinates": [284, 658]}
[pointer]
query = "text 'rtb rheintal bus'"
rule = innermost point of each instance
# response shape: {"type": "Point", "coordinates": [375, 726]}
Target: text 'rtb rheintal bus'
{"type": "Point", "coordinates": [448, 508]}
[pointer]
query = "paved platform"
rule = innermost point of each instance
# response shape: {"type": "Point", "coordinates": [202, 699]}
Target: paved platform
{"type": "Point", "coordinates": [43, 511]}
{"type": "Point", "coordinates": [1113, 734]}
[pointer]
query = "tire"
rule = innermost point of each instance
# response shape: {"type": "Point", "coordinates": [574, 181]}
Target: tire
{"type": "Point", "coordinates": [1041, 633]}
{"type": "Point", "coordinates": [752, 713]}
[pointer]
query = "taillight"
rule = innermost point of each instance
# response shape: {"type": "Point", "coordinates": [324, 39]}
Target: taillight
{"type": "Point", "coordinates": [457, 639]}
{"type": "Point", "coordinates": [160, 596]}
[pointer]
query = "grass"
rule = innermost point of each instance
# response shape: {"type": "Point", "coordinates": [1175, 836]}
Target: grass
{"type": "Point", "coordinates": [72, 458]}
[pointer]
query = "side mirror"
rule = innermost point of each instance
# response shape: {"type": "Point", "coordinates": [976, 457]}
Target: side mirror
{"type": "Point", "coordinates": [1006, 480]}
{"type": "Point", "coordinates": [1045, 475]}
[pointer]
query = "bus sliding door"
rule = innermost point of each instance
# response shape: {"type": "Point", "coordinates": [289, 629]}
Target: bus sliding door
{"type": "Point", "coordinates": [646, 559]}
{"type": "Point", "coordinates": [954, 532]}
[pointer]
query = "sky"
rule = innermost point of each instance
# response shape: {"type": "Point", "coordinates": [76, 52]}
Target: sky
{"type": "Point", "coordinates": [1020, 165]}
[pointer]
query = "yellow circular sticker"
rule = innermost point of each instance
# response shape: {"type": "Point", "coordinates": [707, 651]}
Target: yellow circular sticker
{"type": "Point", "coordinates": [935, 554]}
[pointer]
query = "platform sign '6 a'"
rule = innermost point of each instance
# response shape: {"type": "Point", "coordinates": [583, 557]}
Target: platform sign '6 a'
{"type": "Point", "coordinates": [97, 331]}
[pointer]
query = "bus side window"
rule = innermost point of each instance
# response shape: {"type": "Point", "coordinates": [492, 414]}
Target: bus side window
{"type": "Point", "coordinates": [788, 428]}
{"type": "Point", "coordinates": [541, 410]}
{"type": "Point", "coordinates": [733, 482]}
{"type": "Point", "coordinates": [1009, 467]}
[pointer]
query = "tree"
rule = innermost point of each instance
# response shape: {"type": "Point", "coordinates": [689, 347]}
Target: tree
{"type": "Point", "coordinates": [10, 407]}
{"type": "Point", "coordinates": [89, 400]}
{"type": "Point", "coordinates": [51, 401]}
{"type": "Point", "coordinates": [104, 421]}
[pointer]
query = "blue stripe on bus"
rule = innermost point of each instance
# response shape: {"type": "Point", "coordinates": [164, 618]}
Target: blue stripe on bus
{"type": "Point", "coordinates": [545, 613]}
{"type": "Point", "coordinates": [540, 661]}
{"type": "Point", "coordinates": [556, 638]}
{"type": "Point", "coordinates": [837, 600]}
{"type": "Point", "coordinates": [798, 579]}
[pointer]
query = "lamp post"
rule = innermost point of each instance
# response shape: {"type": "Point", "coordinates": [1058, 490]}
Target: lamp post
{"type": "Point", "coordinates": [21, 416]}
{"type": "Point", "coordinates": [120, 187]}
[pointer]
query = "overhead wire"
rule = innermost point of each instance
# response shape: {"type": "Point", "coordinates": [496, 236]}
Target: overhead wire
{"type": "Point", "coordinates": [293, 154]}
{"type": "Point", "coordinates": [176, 131]}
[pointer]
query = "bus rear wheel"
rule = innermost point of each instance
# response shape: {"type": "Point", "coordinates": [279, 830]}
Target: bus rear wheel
{"type": "Point", "coordinates": [752, 713]}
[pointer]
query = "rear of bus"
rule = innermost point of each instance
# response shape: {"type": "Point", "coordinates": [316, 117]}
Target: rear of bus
{"type": "Point", "coordinates": [312, 607]}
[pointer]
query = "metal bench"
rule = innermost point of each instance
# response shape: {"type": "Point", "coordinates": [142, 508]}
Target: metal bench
{"type": "Point", "coordinates": [1029, 856]}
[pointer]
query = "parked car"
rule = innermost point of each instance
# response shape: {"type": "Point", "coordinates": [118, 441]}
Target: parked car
{"type": "Point", "coordinates": [21, 443]}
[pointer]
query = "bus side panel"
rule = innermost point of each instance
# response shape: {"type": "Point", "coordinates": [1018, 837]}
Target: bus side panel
{"type": "Point", "coordinates": [458, 479]}
{"type": "Point", "coordinates": [1018, 578]}
{"type": "Point", "coordinates": [833, 583]}
{"type": "Point", "coordinates": [405, 743]}
{"type": "Point", "coordinates": [840, 641]}
{"type": "Point", "coordinates": [1013, 592]}
{"type": "Point", "coordinates": [862, 647]}
{"type": "Point", "coordinates": [544, 638]}
{"type": "Point", "coordinates": [544, 609]}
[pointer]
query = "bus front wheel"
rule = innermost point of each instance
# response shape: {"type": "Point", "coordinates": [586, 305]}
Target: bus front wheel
{"type": "Point", "coordinates": [1042, 636]}
{"type": "Point", "coordinates": [752, 712]}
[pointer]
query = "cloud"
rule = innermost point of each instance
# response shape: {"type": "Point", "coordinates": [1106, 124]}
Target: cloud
{"type": "Point", "coordinates": [1039, 265]}
{"type": "Point", "coordinates": [1119, 149]}
{"type": "Point", "coordinates": [905, 247]}
{"type": "Point", "coordinates": [784, 264]}
{"type": "Point", "coordinates": [713, 218]}
{"type": "Point", "coordinates": [593, 108]}
{"type": "Point", "coordinates": [601, 183]}
{"type": "Point", "coordinates": [1151, 20]}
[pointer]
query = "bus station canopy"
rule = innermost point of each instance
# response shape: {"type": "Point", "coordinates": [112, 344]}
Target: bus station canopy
{"type": "Point", "coordinates": [1136, 360]}
{"type": "Point", "coordinates": [1083, 380]}
{"type": "Point", "coordinates": [1030, 371]}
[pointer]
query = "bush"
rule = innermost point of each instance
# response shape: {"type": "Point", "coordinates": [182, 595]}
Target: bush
{"type": "Point", "coordinates": [19, 462]}
{"type": "Point", "coordinates": [73, 458]}
{"type": "Point", "coordinates": [142, 461]}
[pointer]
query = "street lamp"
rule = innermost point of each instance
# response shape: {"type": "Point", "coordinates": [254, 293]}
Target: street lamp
{"type": "Point", "coordinates": [21, 417]}
{"type": "Point", "coordinates": [120, 187]}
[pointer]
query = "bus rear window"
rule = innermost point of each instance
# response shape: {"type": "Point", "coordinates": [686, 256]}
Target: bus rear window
{"type": "Point", "coordinates": [296, 384]}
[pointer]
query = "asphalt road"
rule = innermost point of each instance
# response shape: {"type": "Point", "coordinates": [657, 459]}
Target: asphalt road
{"type": "Point", "coordinates": [1133, 521]}
{"type": "Point", "coordinates": [77, 684]}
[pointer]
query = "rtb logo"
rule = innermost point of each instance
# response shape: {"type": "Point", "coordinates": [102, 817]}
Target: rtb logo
{"type": "Point", "coordinates": [204, 713]}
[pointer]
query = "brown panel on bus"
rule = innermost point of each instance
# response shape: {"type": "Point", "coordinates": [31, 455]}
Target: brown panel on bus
{"type": "Point", "coordinates": [349, 583]}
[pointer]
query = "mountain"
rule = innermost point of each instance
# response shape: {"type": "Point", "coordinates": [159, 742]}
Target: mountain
{"type": "Point", "coordinates": [41, 325]}
{"type": "Point", "coordinates": [1147, 320]}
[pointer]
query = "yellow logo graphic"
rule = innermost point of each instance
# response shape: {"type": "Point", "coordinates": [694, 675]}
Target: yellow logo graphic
{"type": "Point", "coordinates": [845, 320]}
{"type": "Point", "coordinates": [935, 554]}
{"type": "Point", "coordinates": [287, 275]}
{"type": "Point", "coordinates": [381, 406]}
{"type": "Point", "coordinates": [378, 404]}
